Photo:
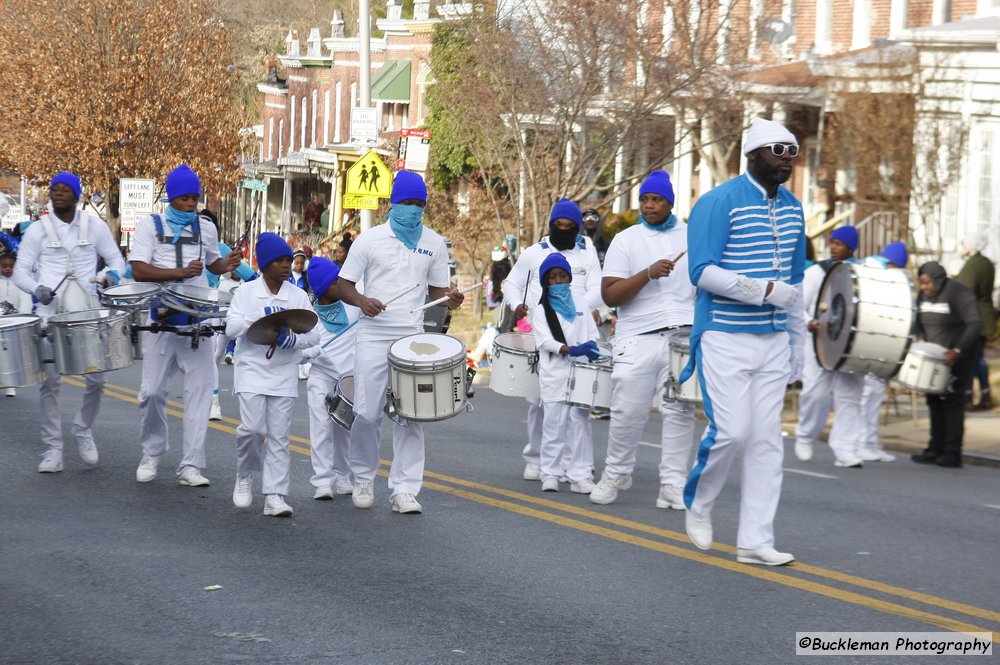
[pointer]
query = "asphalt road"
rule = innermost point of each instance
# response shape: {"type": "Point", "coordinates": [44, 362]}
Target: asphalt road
{"type": "Point", "coordinates": [96, 568]}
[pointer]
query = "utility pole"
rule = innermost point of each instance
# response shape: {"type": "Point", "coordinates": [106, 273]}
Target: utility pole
{"type": "Point", "coordinates": [365, 79]}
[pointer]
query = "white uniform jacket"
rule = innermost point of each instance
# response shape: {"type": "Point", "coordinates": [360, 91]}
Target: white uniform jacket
{"type": "Point", "coordinates": [337, 359]}
{"type": "Point", "coordinates": [553, 368]}
{"type": "Point", "coordinates": [586, 284]}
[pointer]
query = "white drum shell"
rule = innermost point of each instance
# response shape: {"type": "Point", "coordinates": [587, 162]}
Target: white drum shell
{"type": "Point", "coordinates": [515, 366]}
{"type": "Point", "coordinates": [924, 369]}
{"type": "Point", "coordinates": [428, 390]}
{"type": "Point", "coordinates": [341, 405]}
{"type": "Point", "coordinates": [680, 354]}
{"type": "Point", "coordinates": [589, 386]}
{"type": "Point", "coordinates": [20, 351]}
{"type": "Point", "coordinates": [90, 341]}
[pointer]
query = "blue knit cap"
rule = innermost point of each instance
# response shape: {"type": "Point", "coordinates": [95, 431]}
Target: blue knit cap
{"type": "Point", "coordinates": [181, 182]}
{"type": "Point", "coordinates": [270, 247]}
{"type": "Point", "coordinates": [566, 209]}
{"type": "Point", "coordinates": [896, 253]}
{"type": "Point", "coordinates": [71, 180]}
{"type": "Point", "coordinates": [408, 185]}
{"type": "Point", "coordinates": [847, 235]}
{"type": "Point", "coordinates": [322, 273]}
{"type": "Point", "coordinates": [554, 260]}
{"type": "Point", "coordinates": [658, 182]}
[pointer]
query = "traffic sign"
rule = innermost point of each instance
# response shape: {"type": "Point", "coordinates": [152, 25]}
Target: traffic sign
{"type": "Point", "coordinates": [414, 149]}
{"type": "Point", "coordinates": [136, 194]}
{"type": "Point", "coordinates": [364, 126]}
{"type": "Point", "coordinates": [128, 221]}
{"type": "Point", "coordinates": [369, 176]}
{"type": "Point", "coordinates": [254, 185]}
{"type": "Point", "coordinates": [360, 202]}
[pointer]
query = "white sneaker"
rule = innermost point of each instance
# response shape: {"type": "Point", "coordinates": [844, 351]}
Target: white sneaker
{"type": "Point", "coordinates": [849, 462]}
{"type": "Point", "coordinates": [51, 461]}
{"type": "Point", "coordinates": [585, 486]}
{"type": "Point", "coordinates": [764, 556]}
{"type": "Point", "coordinates": [606, 490]}
{"type": "Point", "coordinates": [699, 530]}
{"type": "Point", "coordinates": [550, 485]}
{"type": "Point", "coordinates": [343, 486]}
{"type": "Point", "coordinates": [363, 495]}
{"type": "Point", "coordinates": [275, 506]}
{"type": "Point", "coordinates": [671, 496]}
{"type": "Point", "coordinates": [872, 454]}
{"type": "Point", "coordinates": [532, 471]}
{"type": "Point", "coordinates": [803, 451]}
{"type": "Point", "coordinates": [10, 392]}
{"type": "Point", "coordinates": [147, 469]}
{"type": "Point", "coordinates": [88, 450]}
{"type": "Point", "coordinates": [406, 503]}
{"type": "Point", "coordinates": [216, 411]}
{"type": "Point", "coordinates": [323, 493]}
{"type": "Point", "coordinates": [243, 491]}
{"type": "Point", "coordinates": [191, 477]}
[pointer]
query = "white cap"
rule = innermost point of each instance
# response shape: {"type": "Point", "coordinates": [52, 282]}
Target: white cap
{"type": "Point", "coordinates": [764, 132]}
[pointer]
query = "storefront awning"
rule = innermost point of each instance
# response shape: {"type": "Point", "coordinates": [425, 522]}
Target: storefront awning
{"type": "Point", "coordinates": [392, 82]}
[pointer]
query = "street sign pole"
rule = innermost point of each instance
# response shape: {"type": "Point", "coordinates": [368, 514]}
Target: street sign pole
{"type": "Point", "coordinates": [365, 80]}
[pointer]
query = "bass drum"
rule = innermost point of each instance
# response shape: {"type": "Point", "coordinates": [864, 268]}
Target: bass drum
{"type": "Point", "coordinates": [865, 316]}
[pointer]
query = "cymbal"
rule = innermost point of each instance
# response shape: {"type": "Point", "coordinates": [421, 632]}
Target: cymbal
{"type": "Point", "coordinates": [265, 329]}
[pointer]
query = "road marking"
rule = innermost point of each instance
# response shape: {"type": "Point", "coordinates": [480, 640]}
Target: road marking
{"type": "Point", "coordinates": [127, 394]}
{"type": "Point", "coordinates": [812, 474]}
{"type": "Point", "coordinates": [650, 445]}
{"type": "Point", "coordinates": [991, 505]}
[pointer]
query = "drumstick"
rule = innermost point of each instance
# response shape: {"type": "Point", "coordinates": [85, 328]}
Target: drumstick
{"type": "Point", "coordinates": [679, 256]}
{"type": "Point", "coordinates": [443, 298]}
{"type": "Point", "coordinates": [524, 299]}
{"type": "Point", "coordinates": [395, 297]}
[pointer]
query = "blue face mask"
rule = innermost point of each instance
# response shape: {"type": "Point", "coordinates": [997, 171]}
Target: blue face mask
{"type": "Point", "coordinates": [333, 316]}
{"type": "Point", "coordinates": [667, 224]}
{"type": "Point", "coordinates": [561, 299]}
{"type": "Point", "coordinates": [406, 222]}
{"type": "Point", "coordinates": [178, 221]}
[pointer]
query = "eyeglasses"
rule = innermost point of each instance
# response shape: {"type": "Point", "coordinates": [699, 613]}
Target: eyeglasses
{"type": "Point", "coordinates": [591, 218]}
{"type": "Point", "coordinates": [779, 149]}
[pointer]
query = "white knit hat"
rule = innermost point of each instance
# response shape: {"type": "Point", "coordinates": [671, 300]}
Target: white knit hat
{"type": "Point", "coordinates": [764, 132]}
{"type": "Point", "coordinates": [975, 241]}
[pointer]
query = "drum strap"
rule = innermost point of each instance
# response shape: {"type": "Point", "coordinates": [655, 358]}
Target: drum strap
{"type": "Point", "coordinates": [81, 238]}
{"type": "Point", "coordinates": [193, 239]}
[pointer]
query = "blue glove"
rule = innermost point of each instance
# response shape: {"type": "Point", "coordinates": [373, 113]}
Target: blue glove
{"type": "Point", "coordinates": [271, 310]}
{"type": "Point", "coordinates": [588, 348]}
{"type": "Point", "coordinates": [287, 339]}
{"type": "Point", "coordinates": [112, 277]}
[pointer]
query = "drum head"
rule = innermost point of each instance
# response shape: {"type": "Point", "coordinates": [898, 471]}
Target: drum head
{"type": "Point", "coordinates": [84, 316]}
{"type": "Point", "coordinates": [515, 341]}
{"type": "Point", "coordinates": [836, 309]}
{"type": "Point", "coordinates": [426, 348]}
{"type": "Point", "coordinates": [346, 388]}
{"type": "Point", "coordinates": [929, 350]}
{"type": "Point", "coordinates": [681, 340]}
{"type": "Point", "coordinates": [13, 320]}
{"type": "Point", "coordinates": [137, 293]}
{"type": "Point", "coordinates": [199, 296]}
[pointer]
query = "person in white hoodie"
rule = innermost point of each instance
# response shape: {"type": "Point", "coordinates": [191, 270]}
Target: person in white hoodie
{"type": "Point", "coordinates": [332, 360]}
{"type": "Point", "coordinates": [12, 299]}
{"type": "Point", "coordinates": [267, 387]}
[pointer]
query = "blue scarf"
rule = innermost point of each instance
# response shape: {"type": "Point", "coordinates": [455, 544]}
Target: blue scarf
{"type": "Point", "coordinates": [561, 300]}
{"type": "Point", "coordinates": [666, 225]}
{"type": "Point", "coordinates": [178, 221]}
{"type": "Point", "coordinates": [406, 223]}
{"type": "Point", "coordinates": [333, 316]}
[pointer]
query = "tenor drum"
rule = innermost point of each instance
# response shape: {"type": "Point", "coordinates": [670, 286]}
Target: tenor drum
{"type": "Point", "coordinates": [865, 315]}
{"type": "Point", "coordinates": [679, 343]}
{"type": "Point", "coordinates": [94, 340]}
{"type": "Point", "coordinates": [137, 295]}
{"type": "Point", "coordinates": [515, 366]}
{"type": "Point", "coordinates": [589, 385]}
{"type": "Point", "coordinates": [924, 369]}
{"type": "Point", "coordinates": [200, 302]}
{"type": "Point", "coordinates": [21, 351]}
{"type": "Point", "coordinates": [341, 405]}
{"type": "Point", "coordinates": [428, 377]}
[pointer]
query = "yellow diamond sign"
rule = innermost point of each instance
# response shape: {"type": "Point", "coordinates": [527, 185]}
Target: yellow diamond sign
{"type": "Point", "coordinates": [369, 176]}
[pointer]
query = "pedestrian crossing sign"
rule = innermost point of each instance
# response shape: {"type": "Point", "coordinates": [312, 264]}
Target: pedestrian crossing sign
{"type": "Point", "coordinates": [369, 176]}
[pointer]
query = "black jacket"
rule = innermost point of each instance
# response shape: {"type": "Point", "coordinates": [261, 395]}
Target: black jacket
{"type": "Point", "coordinates": [950, 318]}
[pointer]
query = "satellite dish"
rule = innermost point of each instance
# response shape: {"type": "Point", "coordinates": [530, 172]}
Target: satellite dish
{"type": "Point", "coordinates": [774, 31]}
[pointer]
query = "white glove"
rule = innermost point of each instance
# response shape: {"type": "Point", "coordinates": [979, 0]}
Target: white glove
{"type": "Point", "coordinates": [796, 362]}
{"type": "Point", "coordinates": [313, 352]}
{"type": "Point", "coordinates": [782, 295]}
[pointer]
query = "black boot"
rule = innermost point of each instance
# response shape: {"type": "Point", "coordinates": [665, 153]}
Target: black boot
{"type": "Point", "coordinates": [927, 457]}
{"type": "Point", "coordinates": [949, 461]}
{"type": "Point", "coordinates": [985, 403]}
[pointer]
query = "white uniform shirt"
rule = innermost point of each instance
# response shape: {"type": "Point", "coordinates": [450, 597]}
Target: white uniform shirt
{"type": "Point", "coordinates": [254, 373]}
{"type": "Point", "coordinates": [146, 248]}
{"type": "Point", "coordinates": [38, 262]}
{"type": "Point", "coordinates": [337, 359]}
{"type": "Point", "coordinates": [668, 301]}
{"type": "Point", "coordinates": [812, 280]}
{"type": "Point", "coordinates": [387, 267]}
{"type": "Point", "coordinates": [586, 284]}
{"type": "Point", "coordinates": [553, 368]}
{"type": "Point", "coordinates": [18, 299]}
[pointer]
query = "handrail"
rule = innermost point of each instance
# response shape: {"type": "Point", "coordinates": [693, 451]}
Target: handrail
{"type": "Point", "coordinates": [830, 223]}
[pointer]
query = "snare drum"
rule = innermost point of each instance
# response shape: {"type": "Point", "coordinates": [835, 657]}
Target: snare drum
{"type": "Point", "coordinates": [200, 302]}
{"type": "Point", "coordinates": [94, 340]}
{"type": "Point", "coordinates": [515, 366]}
{"type": "Point", "coordinates": [680, 353]}
{"type": "Point", "coordinates": [865, 315]}
{"type": "Point", "coordinates": [20, 351]}
{"type": "Point", "coordinates": [924, 369]}
{"type": "Point", "coordinates": [589, 385]}
{"type": "Point", "coordinates": [428, 377]}
{"type": "Point", "coordinates": [137, 295]}
{"type": "Point", "coordinates": [341, 405]}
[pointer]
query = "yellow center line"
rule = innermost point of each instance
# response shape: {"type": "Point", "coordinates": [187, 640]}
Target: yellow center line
{"type": "Point", "coordinates": [128, 395]}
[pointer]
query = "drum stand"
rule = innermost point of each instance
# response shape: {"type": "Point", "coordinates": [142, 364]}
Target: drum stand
{"type": "Point", "coordinates": [195, 334]}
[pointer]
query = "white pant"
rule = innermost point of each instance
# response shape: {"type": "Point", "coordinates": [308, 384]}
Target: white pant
{"type": "Point", "coordinates": [162, 355]}
{"type": "Point", "coordinates": [535, 417]}
{"type": "Point", "coordinates": [822, 389]}
{"type": "Point", "coordinates": [48, 395]}
{"type": "Point", "coordinates": [642, 365]}
{"type": "Point", "coordinates": [330, 443]}
{"type": "Point", "coordinates": [371, 379]}
{"type": "Point", "coordinates": [872, 396]}
{"type": "Point", "coordinates": [265, 417]}
{"type": "Point", "coordinates": [564, 451]}
{"type": "Point", "coordinates": [743, 379]}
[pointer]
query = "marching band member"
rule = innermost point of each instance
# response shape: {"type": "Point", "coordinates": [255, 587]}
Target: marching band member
{"type": "Point", "coordinates": [267, 388]}
{"type": "Point", "coordinates": [747, 245]}
{"type": "Point", "coordinates": [57, 263]}
{"type": "Point", "coordinates": [562, 333]}
{"type": "Point", "coordinates": [12, 299]}
{"type": "Point", "coordinates": [332, 359]}
{"type": "Point", "coordinates": [387, 258]}
{"type": "Point", "coordinates": [653, 300]}
{"type": "Point", "coordinates": [823, 388]}
{"type": "Point", "coordinates": [522, 289]}
{"type": "Point", "coordinates": [176, 249]}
